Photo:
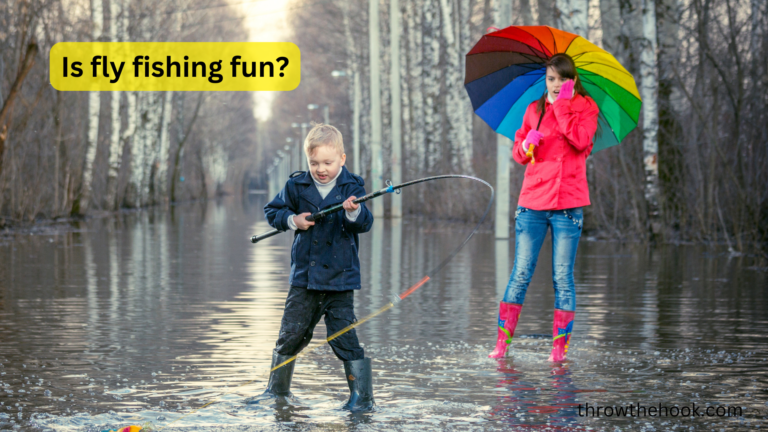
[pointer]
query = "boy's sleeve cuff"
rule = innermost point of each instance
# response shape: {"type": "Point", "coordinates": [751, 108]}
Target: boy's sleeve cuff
{"type": "Point", "coordinates": [352, 216]}
{"type": "Point", "coordinates": [290, 223]}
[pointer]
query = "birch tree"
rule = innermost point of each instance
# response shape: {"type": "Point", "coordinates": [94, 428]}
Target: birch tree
{"type": "Point", "coordinates": [649, 93]}
{"type": "Point", "coordinates": [416, 144]}
{"type": "Point", "coordinates": [161, 176]}
{"type": "Point", "coordinates": [573, 16]}
{"type": "Point", "coordinates": [116, 30]}
{"type": "Point", "coordinates": [94, 109]}
{"type": "Point", "coordinates": [433, 124]}
{"type": "Point", "coordinates": [457, 120]}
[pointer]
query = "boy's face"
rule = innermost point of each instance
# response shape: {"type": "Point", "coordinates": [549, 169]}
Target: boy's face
{"type": "Point", "coordinates": [325, 162]}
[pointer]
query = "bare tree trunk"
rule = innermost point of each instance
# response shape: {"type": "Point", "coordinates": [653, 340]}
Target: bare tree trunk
{"type": "Point", "coordinates": [417, 139]}
{"type": "Point", "coordinates": [548, 13]}
{"type": "Point", "coordinates": [26, 65]}
{"type": "Point", "coordinates": [433, 121]}
{"type": "Point", "coordinates": [610, 21]}
{"type": "Point", "coordinates": [161, 177]}
{"type": "Point", "coordinates": [94, 107]}
{"type": "Point", "coordinates": [649, 91]}
{"type": "Point", "coordinates": [458, 132]}
{"type": "Point", "coordinates": [525, 15]}
{"type": "Point", "coordinates": [180, 148]}
{"type": "Point", "coordinates": [573, 16]}
{"type": "Point", "coordinates": [115, 139]}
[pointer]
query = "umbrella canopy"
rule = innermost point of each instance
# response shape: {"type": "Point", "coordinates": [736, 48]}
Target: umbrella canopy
{"type": "Point", "coordinates": [505, 72]}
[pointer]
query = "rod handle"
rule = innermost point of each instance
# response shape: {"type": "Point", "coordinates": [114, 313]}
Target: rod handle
{"type": "Point", "coordinates": [266, 235]}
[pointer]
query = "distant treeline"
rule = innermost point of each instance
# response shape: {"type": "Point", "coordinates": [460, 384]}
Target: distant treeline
{"type": "Point", "coordinates": [65, 153]}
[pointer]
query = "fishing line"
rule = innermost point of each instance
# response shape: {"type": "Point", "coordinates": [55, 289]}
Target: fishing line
{"type": "Point", "coordinates": [395, 299]}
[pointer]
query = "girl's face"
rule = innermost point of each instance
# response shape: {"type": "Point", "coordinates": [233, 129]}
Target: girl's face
{"type": "Point", "coordinates": [554, 81]}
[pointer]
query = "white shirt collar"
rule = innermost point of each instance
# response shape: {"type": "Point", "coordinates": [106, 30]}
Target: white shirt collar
{"type": "Point", "coordinates": [550, 98]}
{"type": "Point", "coordinates": [330, 183]}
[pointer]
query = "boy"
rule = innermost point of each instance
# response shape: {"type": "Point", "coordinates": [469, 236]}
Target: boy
{"type": "Point", "coordinates": [325, 269]}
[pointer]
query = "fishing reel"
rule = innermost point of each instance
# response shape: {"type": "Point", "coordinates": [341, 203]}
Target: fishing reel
{"type": "Point", "coordinates": [391, 185]}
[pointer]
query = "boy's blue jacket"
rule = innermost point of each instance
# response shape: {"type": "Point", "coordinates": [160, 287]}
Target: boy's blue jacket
{"type": "Point", "coordinates": [324, 257]}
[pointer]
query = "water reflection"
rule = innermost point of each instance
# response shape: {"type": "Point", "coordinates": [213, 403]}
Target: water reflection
{"type": "Point", "coordinates": [149, 315]}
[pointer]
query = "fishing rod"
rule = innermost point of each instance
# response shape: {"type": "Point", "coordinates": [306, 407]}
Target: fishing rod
{"type": "Point", "coordinates": [395, 299]}
{"type": "Point", "coordinates": [389, 189]}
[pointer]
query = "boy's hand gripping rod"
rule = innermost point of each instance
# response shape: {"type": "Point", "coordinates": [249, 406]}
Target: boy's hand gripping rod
{"type": "Point", "coordinates": [389, 189]}
{"type": "Point", "coordinates": [333, 209]}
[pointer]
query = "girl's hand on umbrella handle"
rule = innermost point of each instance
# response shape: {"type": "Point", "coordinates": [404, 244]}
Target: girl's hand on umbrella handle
{"type": "Point", "coordinates": [529, 154]}
{"type": "Point", "coordinates": [301, 221]}
{"type": "Point", "coordinates": [533, 137]}
{"type": "Point", "coordinates": [566, 90]}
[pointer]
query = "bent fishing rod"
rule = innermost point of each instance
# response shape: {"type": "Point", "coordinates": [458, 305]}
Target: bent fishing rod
{"type": "Point", "coordinates": [389, 189]}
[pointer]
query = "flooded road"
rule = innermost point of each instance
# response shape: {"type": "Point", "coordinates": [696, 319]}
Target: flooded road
{"type": "Point", "coordinates": [149, 316]}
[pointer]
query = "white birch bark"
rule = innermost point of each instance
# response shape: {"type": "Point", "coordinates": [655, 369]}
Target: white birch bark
{"type": "Point", "coordinates": [94, 107]}
{"type": "Point", "coordinates": [610, 22]}
{"type": "Point", "coordinates": [161, 176]}
{"type": "Point", "coordinates": [115, 141]}
{"type": "Point", "coordinates": [137, 150]}
{"type": "Point", "coordinates": [151, 143]}
{"type": "Point", "coordinates": [465, 42]}
{"type": "Point", "coordinates": [573, 16]}
{"type": "Point", "coordinates": [405, 70]}
{"type": "Point", "coordinates": [417, 146]}
{"type": "Point", "coordinates": [397, 118]}
{"type": "Point", "coordinates": [456, 121]}
{"type": "Point", "coordinates": [432, 116]}
{"type": "Point", "coordinates": [758, 60]}
{"type": "Point", "coordinates": [132, 113]}
{"type": "Point", "coordinates": [377, 207]}
{"type": "Point", "coordinates": [353, 75]}
{"type": "Point", "coordinates": [502, 17]}
{"type": "Point", "coordinates": [649, 93]}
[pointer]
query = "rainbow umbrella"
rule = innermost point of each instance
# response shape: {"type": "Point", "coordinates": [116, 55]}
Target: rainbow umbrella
{"type": "Point", "coordinates": [505, 72]}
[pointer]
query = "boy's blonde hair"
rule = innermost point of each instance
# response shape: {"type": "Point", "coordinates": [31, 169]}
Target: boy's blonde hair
{"type": "Point", "coordinates": [321, 135]}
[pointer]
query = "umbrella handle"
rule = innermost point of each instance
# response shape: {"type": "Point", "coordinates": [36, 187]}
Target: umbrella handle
{"type": "Point", "coordinates": [529, 153]}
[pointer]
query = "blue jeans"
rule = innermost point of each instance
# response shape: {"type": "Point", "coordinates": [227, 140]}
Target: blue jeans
{"type": "Point", "coordinates": [530, 229]}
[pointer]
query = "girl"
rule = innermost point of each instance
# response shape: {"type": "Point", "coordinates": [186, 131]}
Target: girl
{"type": "Point", "coordinates": [555, 140]}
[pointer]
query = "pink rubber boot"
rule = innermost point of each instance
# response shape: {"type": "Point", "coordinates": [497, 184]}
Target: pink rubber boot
{"type": "Point", "coordinates": [561, 334]}
{"type": "Point", "coordinates": [509, 313]}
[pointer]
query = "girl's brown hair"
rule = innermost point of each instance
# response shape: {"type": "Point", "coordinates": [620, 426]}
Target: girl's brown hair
{"type": "Point", "coordinates": [565, 67]}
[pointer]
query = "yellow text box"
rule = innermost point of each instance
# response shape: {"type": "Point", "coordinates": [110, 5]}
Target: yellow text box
{"type": "Point", "coordinates": [175, 66]}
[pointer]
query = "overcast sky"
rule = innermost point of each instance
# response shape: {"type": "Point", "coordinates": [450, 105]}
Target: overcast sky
{"type": "Point", "coordinates": [265, 21]}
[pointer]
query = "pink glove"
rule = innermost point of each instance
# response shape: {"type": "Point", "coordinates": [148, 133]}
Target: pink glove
{"type": "Point", "coordinates": [533, 137]}
{"type": "Point", "coordinates": [566, 90]}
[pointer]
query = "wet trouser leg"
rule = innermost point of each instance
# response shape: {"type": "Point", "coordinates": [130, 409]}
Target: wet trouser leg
{"type": "Point", "coordinates": [303, 310]}
{"type": "Point", "coordinates": [530, 229]}
{"type": "Point", "coordinates": [340, 313]}
{"type": "Point", "coordinates": [566, 232]}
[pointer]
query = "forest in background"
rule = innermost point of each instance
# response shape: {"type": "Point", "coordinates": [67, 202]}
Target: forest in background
{"type": "Point", "coordinates": [711, 107]}
{"type": "Point", "coordinates": [77, 152]}
{"type": "Point", "coordinates": [71, 153]}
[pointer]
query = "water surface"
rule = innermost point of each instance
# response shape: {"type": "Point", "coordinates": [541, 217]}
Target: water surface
{"type": "Point", "coordinates": [148, 316]}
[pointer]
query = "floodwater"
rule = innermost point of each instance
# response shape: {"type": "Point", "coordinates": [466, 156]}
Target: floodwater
{"type": "Point", "coordinates": [170, 318]}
